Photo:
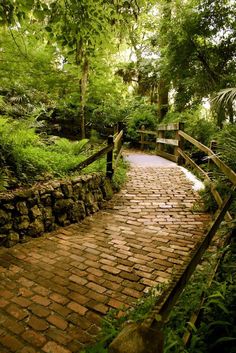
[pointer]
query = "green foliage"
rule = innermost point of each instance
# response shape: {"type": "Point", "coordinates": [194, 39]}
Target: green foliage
{"type": "Point", "coordinates": [207, 200]}
{"type": "Point", "coordinates": [139, 114]}
{"type": "Point", "coordinates": [120, 175]}
{"type": "Point", "coordinates": [63, 145]}
{"type": "Point", "coordinates": [216, 332]}
{"type": "Point", "coordinates": [197, 45]}
{"type": "Point", "coordinates": [196, 124]}
{"type": "Point", "coordinates": [226, 147]}
{"type": "Point", "coordinates": [29, 157]}
{"type": "Point", "coordinates": [106, 94]}
{"type": "Point", "coordinates": [25, 155]}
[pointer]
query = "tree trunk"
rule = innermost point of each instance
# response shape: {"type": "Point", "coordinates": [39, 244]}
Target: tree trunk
{"type": "Point", "coordinates": [163, 99]}
{"type": "Point", "coordinates": [81, 60]}
{"type": "Point", "coordinates": [83, 89]}
{"type": "Point", "coordinates": [164, 84]}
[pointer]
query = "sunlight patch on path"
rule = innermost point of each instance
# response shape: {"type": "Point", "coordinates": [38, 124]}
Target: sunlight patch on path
{"type": "Point", "coordinates": [145, 160]}
{"type": "Point", "coordinates": [197, 184]}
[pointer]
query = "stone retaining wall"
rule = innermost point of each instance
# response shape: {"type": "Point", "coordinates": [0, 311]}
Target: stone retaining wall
{"type": "Point", "coordinates": [31, 212]}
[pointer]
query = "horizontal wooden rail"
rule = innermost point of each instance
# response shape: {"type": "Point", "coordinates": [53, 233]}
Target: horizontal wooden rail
{"type": "Point", "coordinates": [117, 148]}
{"type": "Point", "coordinates": [118, 137]}
{"type": "Point", "coordinates": [171, 142]}
{"type": "Point", "coordinates": [112, 150]}
{"type": "Point", "coordinates": [92, 158]}
{"type": "Point", "coordinates": [231, 175]}
{"type": "Point", "coordinates": [169, 127]}
{"type": "Point", "coordinates": [193, 164]}
{"type": "Point", "coordinates": [167, 155]}
{"type": "Point", "coordinates": [214, 192]}
{"type": "Point", "coordinates": [169, 302]}
{"type": "Point", "coordinates": [147, 132]}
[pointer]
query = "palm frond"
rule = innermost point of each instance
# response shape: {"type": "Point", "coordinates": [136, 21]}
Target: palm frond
{"type": "Point", "coordinates": [225, 97]}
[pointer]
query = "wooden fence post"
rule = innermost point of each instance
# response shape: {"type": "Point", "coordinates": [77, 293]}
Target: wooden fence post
{"type": "Point", "coordinates": [142, 137]}
{"type": "Point", "coordinates": [160, 146]}
{"type": "Point", "coordinates": [109, 171]}
{"type": "Point", "coordinates": [180, 160]}
{"type": "Point", "coordinates": [213, 147]}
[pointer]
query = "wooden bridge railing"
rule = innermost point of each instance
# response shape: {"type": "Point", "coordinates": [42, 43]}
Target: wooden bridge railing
{"type": "Point", "coordinates": [161, 140]}
{"type": "Point", "coordinates": [181, 157]}
{"type": "Point", "coordinates": [113, 152]}
{"type": "Point", "coordinates": [146, 337]}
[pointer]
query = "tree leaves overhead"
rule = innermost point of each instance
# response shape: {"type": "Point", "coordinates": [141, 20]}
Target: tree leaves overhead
{"type": "Point", "coordinates": [201, 45]}
{"type": "Point", "coordinates": [188, 46]}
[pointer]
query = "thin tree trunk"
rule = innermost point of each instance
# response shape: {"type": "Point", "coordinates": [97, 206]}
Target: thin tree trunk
{"type": "Point", "coordinates": [82, 61]}
{"type": "Point", "coordinates": [164, 84]}
{"type": "Point", "coordinates": [83, 89]}
{"type": "Point", "coordinates": [163, 98]}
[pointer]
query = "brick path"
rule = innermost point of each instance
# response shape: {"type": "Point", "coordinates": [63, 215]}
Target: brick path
{"type": "Point", "coordinates": [54, 289]}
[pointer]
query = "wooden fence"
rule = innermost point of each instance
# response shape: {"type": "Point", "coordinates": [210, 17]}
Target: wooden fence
{"type": "Point", "coordinates": [148, 333]}
{"type": "Point", "coordinates": [112, 150]}
{"type": "Point", "coordinates": [181, 157]}
{"type": "Point", "coordinates": [161, 140]}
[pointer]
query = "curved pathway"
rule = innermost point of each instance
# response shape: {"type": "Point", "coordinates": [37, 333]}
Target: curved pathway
{"type": "Point", "coordinates": [54, 289]}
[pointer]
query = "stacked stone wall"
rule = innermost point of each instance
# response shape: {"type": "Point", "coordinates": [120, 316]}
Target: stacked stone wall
{"type": "Point", "coordinates": [44, 207]}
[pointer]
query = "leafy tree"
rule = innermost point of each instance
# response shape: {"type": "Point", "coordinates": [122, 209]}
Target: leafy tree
{"type": "Point", "coordinates": [200, 49]}
{"type": "Point", "coordinates": [86, 27]}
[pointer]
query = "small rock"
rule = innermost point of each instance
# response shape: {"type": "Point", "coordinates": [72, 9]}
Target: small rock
{"type": "Point", "coordinates": [22, 208]}
{"type": "Point", "coordinates": [4, 217]}
{"type": "Point", "coordinates": [36, 228]}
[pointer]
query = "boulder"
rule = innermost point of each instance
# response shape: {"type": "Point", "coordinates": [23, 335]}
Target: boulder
{"type": "Point", "coordinates": [4, 217]}
{"type": "Point", "coordinates": [21, 223]}
{"type": "Point", "coordinates": [61, 206]}
{"type": "Point", "coordinates": [35, 228]}
{"type": "Point", "coordinates": [35, 212]}
{"type": "Point", "coordinates": [106, 189]}
{"type": "Point", "coordinates": [67, 189]}
{"type": "Point", "coordinates": [22, 208]}
{"type": "Point", "coordinates": [77, 212]}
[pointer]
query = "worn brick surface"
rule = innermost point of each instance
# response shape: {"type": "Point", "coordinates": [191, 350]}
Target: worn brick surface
{"type": "Point", "coordinates": [55, 289]}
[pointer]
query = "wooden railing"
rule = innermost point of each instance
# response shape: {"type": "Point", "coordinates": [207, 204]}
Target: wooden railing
{"type": "Point", "coordinates": [148, 333]}
{"type": "Point", "coordinates": [112, 150]}
{"type": "Point", "coordinates": [161, 140]}
{"type": "Point", "coordinates": [181, 157]}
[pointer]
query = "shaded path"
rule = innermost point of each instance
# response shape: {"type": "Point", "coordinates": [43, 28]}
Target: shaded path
{"type": "Point", "coordinates": [54, 289]}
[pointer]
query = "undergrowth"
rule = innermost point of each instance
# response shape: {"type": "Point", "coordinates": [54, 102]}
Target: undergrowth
{"type": "Point", "coordinates": [27, 157]}
{"type": "Point", "coordinates": [216, 332]}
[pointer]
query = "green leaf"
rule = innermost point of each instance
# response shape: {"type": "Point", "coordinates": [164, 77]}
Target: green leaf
{"type": "Point", "coordinates": [224, 339]}
{"type": "Point", "coordinates": [193, 327]}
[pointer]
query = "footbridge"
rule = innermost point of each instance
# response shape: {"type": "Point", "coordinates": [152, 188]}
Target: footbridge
{"type": "Point", "coordinates": [55, 289]}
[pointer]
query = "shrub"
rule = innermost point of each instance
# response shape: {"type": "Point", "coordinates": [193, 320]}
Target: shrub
{"type": "Point", "coordinates": [199, 127]}
{"type": "Point", "coordinates": [29, 157]}
{"type": "Point", "coordinates": [63, 145]}
{"type": "Point", "coordinates": [227, 145]}
{"type": "Point", "coordinates": [142, 114]}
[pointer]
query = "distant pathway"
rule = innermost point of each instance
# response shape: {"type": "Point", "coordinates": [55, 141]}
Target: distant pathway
{"type": "Point", "coordinates": [54, 289]}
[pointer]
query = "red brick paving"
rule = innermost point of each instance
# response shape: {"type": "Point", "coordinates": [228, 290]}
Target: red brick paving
{"type": "Point", "coordinates": [54, 289]}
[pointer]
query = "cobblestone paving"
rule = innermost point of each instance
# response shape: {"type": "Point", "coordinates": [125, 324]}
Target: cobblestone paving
{"type": "Point", "coordinates": [55, 289]}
